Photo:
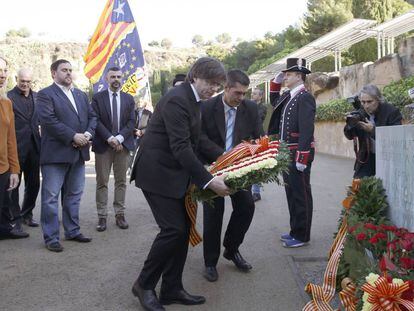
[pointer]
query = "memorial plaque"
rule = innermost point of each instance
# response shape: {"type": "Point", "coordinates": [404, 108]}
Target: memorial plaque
{"type": "Point", "coordinates": [395, 166]}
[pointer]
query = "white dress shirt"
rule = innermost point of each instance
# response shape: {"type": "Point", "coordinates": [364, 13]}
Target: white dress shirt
{"type": "Point", "coordinates": [119, 137]}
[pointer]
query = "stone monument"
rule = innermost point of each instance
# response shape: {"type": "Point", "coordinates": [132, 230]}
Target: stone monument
{"type": "Point", "coordinates": [395, 166]}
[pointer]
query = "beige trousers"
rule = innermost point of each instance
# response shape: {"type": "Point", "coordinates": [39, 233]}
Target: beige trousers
{"type": "Point", "coordinates": [103, 164]}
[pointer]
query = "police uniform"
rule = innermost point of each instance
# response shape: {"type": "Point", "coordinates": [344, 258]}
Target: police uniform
{"type": "Point", "coordinates": [293, 121]}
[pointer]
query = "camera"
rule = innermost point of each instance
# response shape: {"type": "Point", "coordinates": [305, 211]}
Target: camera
{"type": "Point", "coordinates": [359, 114]}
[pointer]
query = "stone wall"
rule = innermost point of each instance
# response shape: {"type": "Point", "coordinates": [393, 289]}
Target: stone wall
{"type": "Point", "coordinates": [330, 139]}
{"type": "Point", "coordinates": [349, 80]}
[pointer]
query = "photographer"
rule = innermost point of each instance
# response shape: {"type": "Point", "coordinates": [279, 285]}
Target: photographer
{"type": "Point", "coordinates": [371, 111]}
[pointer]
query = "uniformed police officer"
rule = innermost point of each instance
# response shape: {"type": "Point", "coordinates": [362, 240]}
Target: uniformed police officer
{"type": "Point", "coordinates": [293, 121]}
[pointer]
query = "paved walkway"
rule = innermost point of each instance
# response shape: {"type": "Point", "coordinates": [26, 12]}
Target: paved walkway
{"type": "Point", "coordinates": [99, 275]}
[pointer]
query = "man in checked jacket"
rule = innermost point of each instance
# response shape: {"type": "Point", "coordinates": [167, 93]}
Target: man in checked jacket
{"type": "Point", "coordinates": [293, 121]}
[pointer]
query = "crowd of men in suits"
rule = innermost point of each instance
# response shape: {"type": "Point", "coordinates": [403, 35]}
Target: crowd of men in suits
{"type": "Point", "coordinates": [192, 125]}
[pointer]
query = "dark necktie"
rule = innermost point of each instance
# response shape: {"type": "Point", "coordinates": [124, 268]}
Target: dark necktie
{"type": "Point", "coordinates": [115, 129]}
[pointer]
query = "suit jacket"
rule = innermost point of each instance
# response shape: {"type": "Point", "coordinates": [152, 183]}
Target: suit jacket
{"type": "Point", "coordinates": [166, 162]}
{"type": "Point", "coordinates": [9, 160]}
{"type": "Point", "coordinates": [248, 126]}
{"type": "Point", "coordinates": [60, 122]}
{"type": "Point", "coordinates": [293, 119]}
{"type": "Point", "coordinates": [101, 106]}
{"type": "Point", "coordinates": [27, 126]}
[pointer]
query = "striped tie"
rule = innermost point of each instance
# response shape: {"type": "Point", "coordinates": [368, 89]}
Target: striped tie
{"type": "Point", "coordinates": [230, 128]}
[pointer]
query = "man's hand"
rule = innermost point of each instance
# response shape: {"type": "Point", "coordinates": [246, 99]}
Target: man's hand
{"type": "Point", "coordinates": [279, 78]}
{"type": "Point", "coordinates": [80, 139]}
{"type": "Point", "coordinates": [119, 148]}
{"type": "Point", "coordinates": [14, 181]}
{"type": "Point", "coordinates": [366, 126]}
{"type": "Point", "coordinates": [139, 133]}
{"type": "Point", "coordinates": [113, 142]}
{"type": "Point", "coordinates": [218, 186]}
{"type": "Point", "coordinates": [300, 167]}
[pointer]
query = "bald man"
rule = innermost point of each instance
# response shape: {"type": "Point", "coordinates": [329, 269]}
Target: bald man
{"type": "Point", "coordinates": [28, 146]}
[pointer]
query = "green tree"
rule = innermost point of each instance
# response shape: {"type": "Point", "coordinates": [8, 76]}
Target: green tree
{"type": "Point", "coordinates": [325, 15]}
{"type": "Point", "coordinates": [223, 38]}
{"type": "Point", "coordinates": [198, 40]}
{"type": "Point", "coordinates": [218, 52]}
{"type": "Point", "coordinates": [154, 43]}
{"type": "Point", "coordinates": [166, 43]}
{"type": "Point", "coordinates": [21, 32]}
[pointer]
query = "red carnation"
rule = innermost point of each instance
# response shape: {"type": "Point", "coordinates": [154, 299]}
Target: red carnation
{"type": "Point", "coordinates": [388, 228]}
{"type": "Point", "coordinates": [373, 240]}
{"type": "Point", "coordinates": [380, 235]}
{"type": "Point", "coordinates": [352, 229]}
{"type": "Point", "coordinates": [407, 263]}
{"type": "Point", "coordinates": [361, 236]}
{"type": "Point", "coordinates": [406, 244]}
{"type": "Point", "coordinates": [370, 226]}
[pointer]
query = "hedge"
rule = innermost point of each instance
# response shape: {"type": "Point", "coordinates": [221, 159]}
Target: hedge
{"type": "Point", "coordinates": [395, 93]}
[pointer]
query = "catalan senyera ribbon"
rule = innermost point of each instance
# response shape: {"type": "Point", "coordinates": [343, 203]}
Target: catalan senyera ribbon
{"type": "Point", "coordinates": [191, 209]}
{"type": "Point", "coordinates": [241, 151]}
{"type": "Point", "coordinates": [348, 297]}
{"type": "Point", "coordinates": [322, 295]}
{"type": "Point", "coordinates": [386, 296]}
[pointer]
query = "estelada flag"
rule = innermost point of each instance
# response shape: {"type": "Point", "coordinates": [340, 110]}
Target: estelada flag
{"type": "Point", "coordinates": [115, 42]}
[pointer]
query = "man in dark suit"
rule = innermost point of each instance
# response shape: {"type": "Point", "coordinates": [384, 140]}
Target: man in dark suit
{"type": "Point", "coordinates": [68, 123]}
{"type": "Point", "coordinates": [112, 143]}
{"type": "Point", "coordinates": [227, 120]}
{"type": "Point", "coordinates": [28, 145]}
{"type": "Point", "coordinates": [165, 167]}
{"type": "Point", "coordinates": [293, 121]}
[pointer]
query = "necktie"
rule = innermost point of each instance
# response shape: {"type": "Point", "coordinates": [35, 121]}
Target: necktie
{"type": "Point", "coordinates": [115, 129]}
{"type": "Point", "coordinates": [230, 128]}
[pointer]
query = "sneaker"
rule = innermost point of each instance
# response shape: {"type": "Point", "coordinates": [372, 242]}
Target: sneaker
{"type": "Point", "coordinates": [55, 247]}
{"type": "Point", "coordinates": [293, 243]}
{"type": "Point", "coordinates": [286, 237]}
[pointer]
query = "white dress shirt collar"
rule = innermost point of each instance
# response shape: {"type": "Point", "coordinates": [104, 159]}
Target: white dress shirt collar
{"type": "Point", "coordinates": [296, 90]}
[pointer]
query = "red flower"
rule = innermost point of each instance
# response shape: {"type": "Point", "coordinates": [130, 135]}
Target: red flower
{"type": "Point", "coordinates": [380, 235]}
{"type": "Point", "coordinates": [406, 244]}
{"type": "Point", "coordinates": [370, 226]}
{"type": "Point", "coordinates": [361, 236]}
{"type": "Point", "coordinates": [407, 263]}
{"type": "Point", "coordinates": [388, 228]}
{"type": "Point", "coordinates": [352, 229]}
{"type": "Point", "coordinates": [373, 240]}
{"type": "Point", "coordinates": [409, 293]}
{"type": "Point", "coordinates": [382, 264]}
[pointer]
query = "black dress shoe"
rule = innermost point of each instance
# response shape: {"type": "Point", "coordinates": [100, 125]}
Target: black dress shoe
{"type": "Point", "coordinates": [14, 235]}
{"type": "Point", "coordinates": [181, 297]}
{"type": "Point", "coordinates": [55, 247]}
{"type": "Point", "coordinates": [121, 222]}
{"type": "Point", "coordinates": [210, 274]}
{"type": "Point", "coordinates": [101, 225]}
{"type": "Point", "coordinates": [30, 222]}
{"type": "Point", "coordinates": [147, 298]}
{"type": "Point", "coordinates": [80, 238]}
{"type": "Point", "coordinates": [238, 260]}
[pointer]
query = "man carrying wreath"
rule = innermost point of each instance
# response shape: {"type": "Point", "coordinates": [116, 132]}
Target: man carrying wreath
{"type": "Point", "coordinates": [227, 120]}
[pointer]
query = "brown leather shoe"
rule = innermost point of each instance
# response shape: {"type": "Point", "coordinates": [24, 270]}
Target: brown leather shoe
{"type": "Point", "coordinates": [121, 222]}
{"type": "Point", "coordinates": [101, 225]}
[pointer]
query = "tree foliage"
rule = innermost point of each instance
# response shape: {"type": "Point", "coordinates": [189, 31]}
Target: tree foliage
{"type": "Point", "coordinates": [223, 38]}
{"type": "Point", "coordinates": [166, 43]}
{"type": "Point", "coordinates": [198, 40]}
{"type": "Point", "coordinates": [21, 32]}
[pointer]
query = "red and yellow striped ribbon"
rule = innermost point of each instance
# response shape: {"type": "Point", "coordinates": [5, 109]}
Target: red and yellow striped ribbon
{"type": "Point", "coordinates": [322, 295]}
{"type": "Point", "coordinates": [191, 209]}
{"type": "Point", "coordinates": [386, 296]}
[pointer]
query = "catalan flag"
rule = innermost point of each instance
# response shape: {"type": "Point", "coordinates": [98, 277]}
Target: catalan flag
{"type": "Point", "coordinates": [115, 42]}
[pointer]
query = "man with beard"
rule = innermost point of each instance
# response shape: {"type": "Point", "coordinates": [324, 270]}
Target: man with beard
{"type": "Point", "coordinates": [112, 143]}
{"type": "Point", "coordinates": [165, 166]}
{"type": "Point", "coordinates": [68, 122]}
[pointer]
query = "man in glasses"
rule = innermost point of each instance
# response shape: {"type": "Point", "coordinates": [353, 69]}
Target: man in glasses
{"type": "Point", "coordinates": [28, 146]}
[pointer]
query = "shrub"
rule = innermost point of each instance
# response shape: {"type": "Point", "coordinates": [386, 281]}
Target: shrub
{"type": "Point", "coordinates": [334, 110]}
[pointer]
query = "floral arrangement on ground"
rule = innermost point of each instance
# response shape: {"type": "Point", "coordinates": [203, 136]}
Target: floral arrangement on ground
{"type": "Point", "coordinates": [259, 161]}
{"type": "Point", "coordinates": [375, 267]}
